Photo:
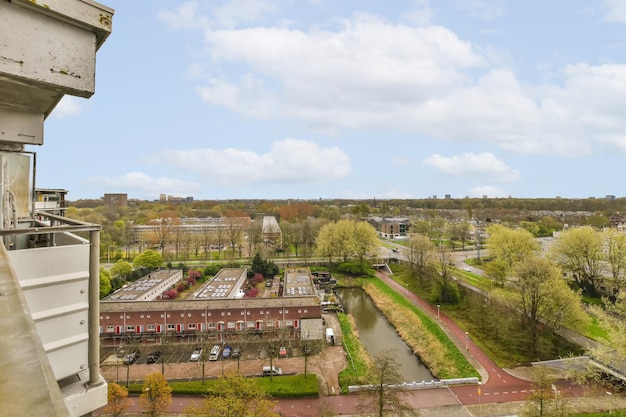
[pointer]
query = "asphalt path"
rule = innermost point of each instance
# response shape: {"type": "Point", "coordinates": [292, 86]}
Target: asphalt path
{"type": "Point", "coordinates": [497, 384]}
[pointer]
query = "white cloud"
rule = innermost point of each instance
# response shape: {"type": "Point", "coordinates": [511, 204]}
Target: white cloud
{"type": "Point", "coordinates": [288, 161]}
{"type": "Point", "coordinates": [615, 10]}
{"type": "Point", "coordinates": [423, 80]}
{"type": "Point", "coordinates": [481, 9]}
{"type": "Point", "coordinates": [68, 106]}
{"type": "Point", "coordinates": [486, 190]}
{"type": "Point", "coordinates": [420, 14]}
{"type": "Point", "coordinates": [229, 14]}
{"type": "Point", "coordinates": [470, 165]}
{"type": "Point", "coordinates": [138, 181]}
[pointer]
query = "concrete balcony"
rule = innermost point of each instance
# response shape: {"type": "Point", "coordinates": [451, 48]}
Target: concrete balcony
{"type": "Point", "coordinates": [51, 279]}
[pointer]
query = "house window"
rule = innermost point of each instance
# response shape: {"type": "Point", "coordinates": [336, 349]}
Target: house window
{"type": "Point", "coordinates": [141, 316]}
{"type": "Point", "coordinates": [107, 316]}
{"type": "Point", "coordinates": [228, 314]}
{"type": "Point", "coordinates": [191, 325]}
{"type": "Point", "coordinates": [148, 315]}
{"type": "Point", "coordinates": [162, 315]}
{"type": "Point", "coordinates": [122, 316]}
{"type": "Point", "coordinates": [299, 310]}
{"type": "Point", "coordinates": [261, 311]}
{"type": "Point", "coordinates": [171, 327]}
{"type": "Point", "coordinates": [211, 325]}
{"type": "Point", "coordinates": [150, 327]}
{"type": "Point", "coordinates": [305, 310]}
{"type": "Point", "coordinates": [182, 314]}
{"type": "Point", "coordinates": [130, 328]}
{"type": "Point", "coordinates": [242, 313]}
{"type": "Point", "coordinates": [110, 329]}
{"type": "Point", "coordinates": [100, 317]}
{"type": "Point", "coordinates": [231, 324]}
{"type": "Point", "coordinates": [188, 314]}
{"type": "Point", "coordinates": [168, 315]}
{"type": "Point", "coordinates": [222, 313]}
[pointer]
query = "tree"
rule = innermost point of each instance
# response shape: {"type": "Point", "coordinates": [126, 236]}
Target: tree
{"type": "Point", "coordinates": [616, 255]}
{"type": "Point", "coordinates": [156, 394]}
{"type": "Point", "coordinates": [365, 241]}
{"type": "Point", "coordinates": [580, 251]}
{"type": "Point", "coordinates": [148, 259]}
{"type": "Point", "coordinates": [543, 299]}
{"type": "Point", "coordinates": [509, 245]}
{"type": "Point", "coordinates": [234, 396]}
{"type": "Point", "coordinates": [419, 253]}
{"type": "Point", "coordinates": [105, 282]}
{"type": "Point", "coordinates": [383, 374]}
{"type": "Point", "coordinates": [118, 400]}
{"type": "Point", "coordinates": [163, 233]}
{"type": "Point", "coordinates": [121, 268]}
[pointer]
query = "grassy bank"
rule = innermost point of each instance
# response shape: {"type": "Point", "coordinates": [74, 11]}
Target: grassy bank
{"type": "Point", "coordinates": [358, 358]}
{"type": "Point", "coordinates": [420, 333]}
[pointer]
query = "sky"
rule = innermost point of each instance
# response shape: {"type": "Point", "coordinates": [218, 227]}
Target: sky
{"type": "Point", "coordinates": [310, 99]}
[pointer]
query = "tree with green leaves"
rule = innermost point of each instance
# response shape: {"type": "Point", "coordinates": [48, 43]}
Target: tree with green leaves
{"type": "Point", "coordinates": [156, 395]}
{"type": "Point", "coordinates": [148, 259]}
{"type": "Point", "coordinates": [117, 400]}
{"type": "Point", "coordinates": [543, 299]}
{"type": "Point", "coordinates": [510, 245]}
{"type": "Point", "coordinates": [105, 282]}
{"type": "Point", "coordinates": [581, 251]}
{"type": "Point", "coordinates": [121, 268]}
{"type": "Point", "coordinates": [234, 396]}
{"type": "Point", "coordinates": [616, 256]}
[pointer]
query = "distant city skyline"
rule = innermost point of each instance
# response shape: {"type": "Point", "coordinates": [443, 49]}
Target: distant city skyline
{"type": "Point", "coordinates": [246, 99]}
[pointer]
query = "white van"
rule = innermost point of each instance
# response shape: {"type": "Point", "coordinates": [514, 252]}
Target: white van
{"type": "Point", "coordinates": [272, 370]}
{"type": "Point", "coordinates": [215, 353]}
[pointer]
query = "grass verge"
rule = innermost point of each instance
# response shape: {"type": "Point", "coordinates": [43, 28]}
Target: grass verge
{"type": "Point", "coordinates": [356, 372]}
{"type": "Point", "coordinates": [284, 386]}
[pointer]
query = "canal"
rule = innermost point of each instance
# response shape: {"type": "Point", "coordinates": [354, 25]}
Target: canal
{"type": "Point", "coordinates": [377, 334]}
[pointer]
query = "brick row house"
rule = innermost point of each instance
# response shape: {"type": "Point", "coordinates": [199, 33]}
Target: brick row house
{"type": "Point", "coordinates": [189, 320]}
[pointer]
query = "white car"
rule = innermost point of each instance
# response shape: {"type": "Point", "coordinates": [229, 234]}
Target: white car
{"type": "Point", "coordinates": [467, 268]}
{"type": "Point", "coordinates": [195, 355]}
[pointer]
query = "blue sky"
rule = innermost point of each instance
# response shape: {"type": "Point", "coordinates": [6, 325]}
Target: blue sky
{"type": "Point", "coordinates": [349, 99]}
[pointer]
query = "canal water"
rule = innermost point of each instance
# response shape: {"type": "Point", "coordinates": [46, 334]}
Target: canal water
{"type": "Point", "coordinates": [376, 334]}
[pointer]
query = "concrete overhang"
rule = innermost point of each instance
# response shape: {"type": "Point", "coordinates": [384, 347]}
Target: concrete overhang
{"type": "Point", "coordinates": [47, 50]}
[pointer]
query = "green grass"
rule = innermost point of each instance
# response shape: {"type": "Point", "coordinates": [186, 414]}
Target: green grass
{"type": "Point", "coordinates": [462, 368]}
{"type": "Point", "coordinates": [278, 386]}
{"type": "Point", "coordinates": [356, 371]}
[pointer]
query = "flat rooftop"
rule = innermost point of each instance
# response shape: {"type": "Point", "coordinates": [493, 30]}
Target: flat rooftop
{"type": "Point", "coordinates": [137, 289]}
{"type": "Point", "coordinates": [225, 284]}
{"type": "Point", "coordinates": [298, 282]}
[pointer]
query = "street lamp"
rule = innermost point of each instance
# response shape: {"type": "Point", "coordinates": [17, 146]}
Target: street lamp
{"type": "Point", "coordinates": [438, 306]}
{"type": "Point", "coordinates": [466, 339]}
{"type": "Point", "coordinates": [610, 394]}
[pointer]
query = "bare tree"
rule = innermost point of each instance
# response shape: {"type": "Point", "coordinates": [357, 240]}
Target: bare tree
{"type": "Point", "coordinates": [381, 393]}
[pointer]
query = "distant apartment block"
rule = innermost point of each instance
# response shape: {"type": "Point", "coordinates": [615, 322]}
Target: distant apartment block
{"type": "Point", "coordinates": [115, 200]}
{"type": "Point", "coordinates": [51, 200]}
{"type": "Point", "coordinates": [191, 225]}
{"type": "Point", "coordinates": [271, 233]}
{"type": "Point", "coordinates": [391, 227]}
{"type": "Point", "coordinates": [164, 198]}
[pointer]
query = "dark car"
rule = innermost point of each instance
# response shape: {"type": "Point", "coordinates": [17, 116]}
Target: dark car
{"type": "Point", "coordinates": [131, 357]}
{"type": "Point", "coordinates": [154, 357]}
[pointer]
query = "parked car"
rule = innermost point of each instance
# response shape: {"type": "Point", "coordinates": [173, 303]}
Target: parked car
{"type": "Point", "coordinates": [236, 353]}
{"type": "Point", "coordinates": [154, 357]}
{"type": "Point", "coordinates": [268, 283]}
{"type": "Point", "coordinates": [215, 353]}
{"type": "Point", "coordinates": [226, 352]}
{"type": "Point", "coordinates": [282, 352]}
{"type": "Point", "coordinates": [131, 357]}
{"type": "Point", "coordinates": [273, 370]}
{"type": "Point", "coordinates": [196, 354]}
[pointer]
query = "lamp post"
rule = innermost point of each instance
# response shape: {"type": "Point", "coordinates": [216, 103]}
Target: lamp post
{"type": "Point", "coordinates": [610, 394]}
{"type": "Point", "coordinates": [438, 307]}
{"type": "Point", "coordinates": [466, 339]}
